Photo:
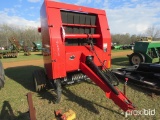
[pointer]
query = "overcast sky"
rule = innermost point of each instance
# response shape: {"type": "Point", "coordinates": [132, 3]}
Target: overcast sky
{"type": "Point", "coordinates": [124, 16]}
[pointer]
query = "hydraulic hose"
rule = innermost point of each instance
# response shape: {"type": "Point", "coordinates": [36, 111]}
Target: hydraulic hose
{"type": "Point", "coordinates": [90, 63]}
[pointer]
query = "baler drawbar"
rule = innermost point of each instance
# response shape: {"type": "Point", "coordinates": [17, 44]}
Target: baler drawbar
{"type": "Point", "coordinates": [77, 45]}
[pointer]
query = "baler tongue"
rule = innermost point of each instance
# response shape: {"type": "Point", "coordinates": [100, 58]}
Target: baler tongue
{"type": "Point", "coordinates": [95, 74]}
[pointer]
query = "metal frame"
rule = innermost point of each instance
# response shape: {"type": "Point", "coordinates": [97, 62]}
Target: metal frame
{"type": "Point", "coordinates": [58, 62]}
{"type": "Point", "coordinates": [60, 58]}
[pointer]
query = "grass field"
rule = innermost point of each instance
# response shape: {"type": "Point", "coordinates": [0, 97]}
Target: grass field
{"type": "Point", "coordinates": [86, 99]}
{"type": "Point", "coordinates": [22, 57]}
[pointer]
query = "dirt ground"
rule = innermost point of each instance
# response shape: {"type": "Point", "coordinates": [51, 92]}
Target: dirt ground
{"type": "Point", "coordinates": [23, 63]}
{"type": "Point", "coordinates": [40, 61]}
{"type": "Point", "coordinates": [121, 53]}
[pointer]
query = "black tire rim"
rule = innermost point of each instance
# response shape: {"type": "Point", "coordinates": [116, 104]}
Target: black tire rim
{"type": "Point", "coordinates": [136, 60]}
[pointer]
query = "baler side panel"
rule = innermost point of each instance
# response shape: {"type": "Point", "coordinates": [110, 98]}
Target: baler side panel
{"type": "Point", "coordinates": [57, 45]}
{"type": "Point", "coordinates": [46, 41]}
{"type": "Point", "coordinates": [105, 41]}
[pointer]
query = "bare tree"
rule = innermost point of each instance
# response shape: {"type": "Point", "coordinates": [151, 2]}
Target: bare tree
{"type": "Point", "coordinates": [121, 38]}
{"type": "Point", "coordinates": [133, 38]}
{"type": "Point", "coordinates": [27, 35]}
{"type": "Point", "coordinates": [153, 32]}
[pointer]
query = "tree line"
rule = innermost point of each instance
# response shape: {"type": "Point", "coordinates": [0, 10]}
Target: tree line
{"type": "Point", "coordinates": [30, 34]}
{"type": "Point", "coordinates": [25, 35]}
{"type": "Point", "coordinates": [152, 31]}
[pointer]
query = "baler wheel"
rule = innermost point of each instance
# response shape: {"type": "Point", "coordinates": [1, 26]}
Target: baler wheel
{"type": "Point", "coordinates": [56, 90]}
{"type": "Point", "coordinates": [2, 75]}
{"type": "Point", "coordinates": [136, 58]}
{"type": "Point", "coordinates": [39, 78]}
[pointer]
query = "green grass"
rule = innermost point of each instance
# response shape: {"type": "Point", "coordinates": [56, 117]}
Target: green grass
{"type": "Point", "coordinates": [22, 57]}
{"type": "Point", "coordinates": [86, 99]}
{"type": "Point", "coordinates": [114, 50]}
{"type": "Point", "coordinates": [120, 62]}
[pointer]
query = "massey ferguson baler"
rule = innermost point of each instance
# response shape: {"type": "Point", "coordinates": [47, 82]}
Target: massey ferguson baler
{"type": "Point", "coordinates": [77, 46]}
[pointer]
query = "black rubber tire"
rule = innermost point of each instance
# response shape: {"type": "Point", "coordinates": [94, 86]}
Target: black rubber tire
{"type": "Point", "coordinates": [136, 58]}
{"type": "Point", "coordinates": [2, 75]}
{"type": "Point", "coordinates": [36, 86]}
{"type": "Point", "coordinates": [56, 90]}
{"type": "Point", "coordinates": [39, 79]}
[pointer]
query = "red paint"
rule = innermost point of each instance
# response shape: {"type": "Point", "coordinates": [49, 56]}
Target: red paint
{"type": "Point", "coordinates": [58, 63]}
{"type": "Point", "coordinates": [61, 58]}
{"type": "Point", "coordinates": [82, 36]}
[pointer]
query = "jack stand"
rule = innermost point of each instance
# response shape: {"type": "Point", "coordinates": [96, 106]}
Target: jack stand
{"type": "Point", "coordinates": [125, 86]}
{"type": "Point", "coordinates": [124, 90]}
